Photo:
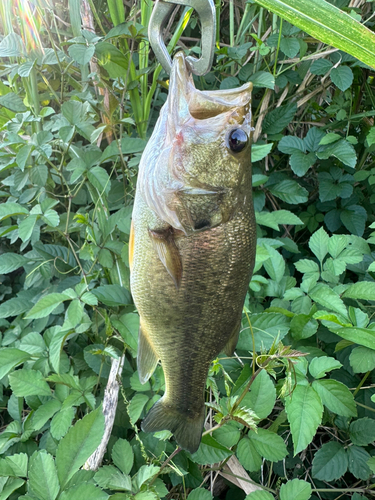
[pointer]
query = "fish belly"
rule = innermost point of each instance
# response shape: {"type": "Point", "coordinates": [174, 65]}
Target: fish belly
{"type": "Point", "coordinates": [189, 326]}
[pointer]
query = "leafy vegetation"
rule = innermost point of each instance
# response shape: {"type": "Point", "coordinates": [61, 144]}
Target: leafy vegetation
{"type": "Point", "coordinates": [294, 411]}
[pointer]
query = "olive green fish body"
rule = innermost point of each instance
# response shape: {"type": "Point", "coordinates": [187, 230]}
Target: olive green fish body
{"type": "Point", "coordinates": [192, 251]}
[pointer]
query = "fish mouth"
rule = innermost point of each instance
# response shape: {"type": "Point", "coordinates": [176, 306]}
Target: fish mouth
{"type": "Point", "coordinates": [187, 102]}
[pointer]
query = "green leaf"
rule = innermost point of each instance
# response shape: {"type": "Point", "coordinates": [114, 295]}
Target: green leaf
{"type": "Point", "coordinates": [44, 413]}
{"type": "Point", "coordinates": [123, 456]}
{"type": "Point", "coordinates": [361, 336]}
{"type": "Point", "coordinates": [99, 179]}
{"type": "Point", "coordinates": [297, 489]}
{"type": "Point", "coordinates": [81, 53]}
{"type": "Point", "coordinates": [275, 265]}
{"type": "Point", "coordinates": [357, 458]}
{"type": "Point", "coordinates": [328, 24]}
{"type": "Point", "coordinates": [301, 162]}
{"type": "Point", "coordinates": [320, 67]}
{"type": "Point", "coordinates": [28, 383]}
{"type": "Point", "coordinates": [46, 305]}
{"type": "Point", "coordinates": [342, 77]}
{"type": "Point", "coordinates": [248, 455]}
{"type": "Point", "coordinates": [268, 444]}
{"type": "Point", "coordinates": [262, 396]}
{"type": "Point", "coordinates": [320, 366]}
{"type": "Point", "coordinates": [51, 217]}
{"type": "Point", "coordinates": [110, 477]}
{"type": "Point", "coordinates": [26, 227]}
{"type": "Point", "coordinates": [363, 290]}
{"type": "Point", "coordinates": [260, 151]}
{"type": "Point", "coordinates": [275, 121]}
{"type": "Point", "coordinates": [13, 102]}
{"type": "Point", "coordinates": [79, 443]}
{"type": "Point", "coordinates": [12, 46]}
{"type": "Point", "coordinates": [371, 463]}
{"type": "Point", "coordinates": [259, 495]}
{"type": "Point", "coordinates": [342, 150]}
{"type": "Point", "coordinates": [145, 473]}
{"type": "Point", "coordinates": [62, 422]}
{"type": "Point", "coordinates": [263, 79]}
{"type": "Point", "coordinates": [136, 405]}
{"type": "Point", "coordinates": [9, 262]}
{"type": "Point", "coordinates": [43, 479]}
{"type": "Point", "coordinates": [210, 451]}
{"type": "Point", "coordinates": [229, 434]}
{"type": "Point", "coordinates": [290, 144]}
{"type": "Point", "coordinates": [84, 491]}
{"type": "Point", "coordinates": [318, 244]}
{"type": "Point", "coordinates": [10, 358]}
{"type": "Point", "coordinates": [11, 210]}
{"type": "Point", "coordinates": [362, 360]}
{"type": "Point", "coordinates": [328, 298]}
{"type": "Point", "coordinates": [336, 397]}
{"type": "Point", "coordinates": [18, 463]}
{"type": "Point", "coordinates": [290, 46]}
{"type": "Point", "coordinates": [304, 410]}
{"type": "Point", "coordinates": [112, 295]}
{"type": "Point", "coordinates": [12, 485]}
{"type": "Point", "coordinates": [362, 431]}
{"type": "Point", "coordinates": [330, 462]}
{"type": "Point", "coordinates": [289, 191]}
{"type": "Point", "coordinates": [266, 327]}
{"type": "Point", "coordinates": [199, 494]}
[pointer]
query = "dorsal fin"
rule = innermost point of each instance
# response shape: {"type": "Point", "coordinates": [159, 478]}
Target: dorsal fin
{"type": "Point", "coordinates": [165, 245]}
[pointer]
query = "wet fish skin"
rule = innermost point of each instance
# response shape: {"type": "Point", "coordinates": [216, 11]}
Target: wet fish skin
{"type": "Point", "coordinates": [192, 246]}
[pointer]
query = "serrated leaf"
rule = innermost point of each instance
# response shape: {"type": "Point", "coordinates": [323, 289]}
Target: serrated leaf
{"type": "Point", "coordinates": [320, 366]}
{"type": "Point", "coordinates": [301, 162]}
{"type": "Point", "coordinates": [84, 491]}
{"type": "Point", "coordinates": [328, 298]}
{"type": "Point", "coordinates": [136, 405]}
{"type": "Point", "coordinates": [28, 383]}
{"type": "Point", "coordinates": [11, 210]}
{"type": "Point", "coordinates": [318, 244]}
{"type": "Point", "coordinates": [13, 102]}
{"type": "Point", "coordinates": [358, 458]}
{"type": "Point", "coordinates": [44, 413]}
{"type": "Point", "coordinates": [290, 144]}
{"type": "Point", "coordinates": [336, 397]}
{"type": "Point", "coordinates": [304, 410]}
{"type": "Point", "coordinates": [79, 443]}
{"type": "Point", "coordinates": [9, 262]}
{"type": "Point", "coordinates": [262, 396]}
{"type": "Point", "coordinates": [275, 265]}
{"type": "Point", "coordinates": [279, 118]}
{"type": "Point", "coordinates": [61, 422]}
{"type": "Point", "coordinates": [43, 479]}
{"type": "Point", "coordinates": [263, 79]}
{"type": "Point", "coordinates": [361, 336]}
{"type": "Point", "coordinates": [289, 191]}
{"type": "Point", "coordinates": [10, 358]}
{"type": "Point", "coordinates": [51, 217]}
{"type": "Point", "coordinates": [123, 456]}
{"type": "Point", "coordinates": [330, 462]}
{"type": "Point", "coordinates": [248, 455]}
{"type": "Point", "coordinates": [362, 431]}
{"type": "Point", "coordinates": [297, 489]}
{"type": "Point", "coordinates": [210, 451]}
{"type": "Point", "coordinates": [145, 473]}
{"type": "Point", "coordinates": [112, 295]}
{"type": "Point", "coordinates": [268, 444]}
{"type": "Point", "coordinates": [46, 305]}
{"type": "Point", "coordinates": [363, 290]}
{"type": "Point", "coordinates": [99, 179]}
{"type": "Point", "coordinates": [18, 463]}
{"type": "Point", "coordinates": [362, 360]}
{"type": "Point", "coordinates": [199, 494]}
{"type": "Point", "coordinates": [110, 477]}
{"type": "Point", "coordinates": [81, 53]}
{"type": "Point", "coordinates": [342, 150]}
{"type": "Point", "coordinates": [342, 77]}
{"type": "Point", "coordinates": [266, 327]}
{"type": "Point", "coordinates": [260, 151]}
{"type": "Point", "coordinates": [320, 67]}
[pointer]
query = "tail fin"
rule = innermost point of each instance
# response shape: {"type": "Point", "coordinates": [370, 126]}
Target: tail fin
{"type": "Point", "coordinates": [185, 426]}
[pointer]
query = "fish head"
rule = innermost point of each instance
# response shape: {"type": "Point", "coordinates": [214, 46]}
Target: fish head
{"type": "Point", "coordinates": [198, 159]}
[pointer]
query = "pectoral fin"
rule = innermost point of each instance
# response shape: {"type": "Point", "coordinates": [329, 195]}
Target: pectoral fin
{"type": "Point", "coordinates": [146, 356]}
{"type": "Point", "coordinates": [233, 339]}
{"type": "Point", "coordinates": [164, 243]}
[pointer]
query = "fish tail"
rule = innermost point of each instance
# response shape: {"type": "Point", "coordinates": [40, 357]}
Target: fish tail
{"type": "Point", "coordinates": [186, 426]}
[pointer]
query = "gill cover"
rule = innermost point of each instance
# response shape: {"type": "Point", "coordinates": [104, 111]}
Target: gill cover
{"type": "Point", "coordinates": [192, 131]}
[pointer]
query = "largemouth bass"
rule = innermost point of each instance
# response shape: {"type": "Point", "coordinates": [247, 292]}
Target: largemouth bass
{"type": "Point", "coordinates": [192, 245]}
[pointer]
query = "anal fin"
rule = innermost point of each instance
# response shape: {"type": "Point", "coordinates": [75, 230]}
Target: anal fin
{"type": "Point", "coordinates": [164, 243]}
{"type": "Point", "coordinates": [146, 356]}
{"type": "Point", "coordinates": [233, 339]}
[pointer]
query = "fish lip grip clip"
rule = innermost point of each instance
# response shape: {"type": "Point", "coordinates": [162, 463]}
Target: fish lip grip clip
{"type": "Point", "coordinates": [207, 14]}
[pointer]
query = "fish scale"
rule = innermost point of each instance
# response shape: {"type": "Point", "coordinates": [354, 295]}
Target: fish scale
{"type": "Point", "coordinates": [192, 247]}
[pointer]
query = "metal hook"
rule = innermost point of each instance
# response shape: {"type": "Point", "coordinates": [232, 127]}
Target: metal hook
{"type": "Point", "coordinates": [207, 14]}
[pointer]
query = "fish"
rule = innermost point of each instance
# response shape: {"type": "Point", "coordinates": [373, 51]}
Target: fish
{"type": "Point", "coordinates": [192, 245]}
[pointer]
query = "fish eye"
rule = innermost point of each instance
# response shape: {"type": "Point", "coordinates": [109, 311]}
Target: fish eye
{"type": "Point", "coordinates": [237, 140]}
